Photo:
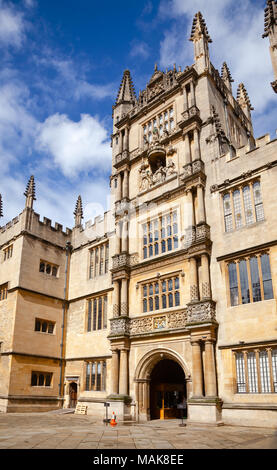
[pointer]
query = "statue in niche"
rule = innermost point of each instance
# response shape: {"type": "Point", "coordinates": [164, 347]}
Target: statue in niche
{"type": "Point", "coordinates": [159, 175]}
{"type": "Point", "coordinates": [146, 177]}
{"type": "Point", "coordinates": [170, 168]}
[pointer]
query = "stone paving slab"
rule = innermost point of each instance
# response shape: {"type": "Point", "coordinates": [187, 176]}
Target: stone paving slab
{"type": "Point", "coordinates": [69, 431]}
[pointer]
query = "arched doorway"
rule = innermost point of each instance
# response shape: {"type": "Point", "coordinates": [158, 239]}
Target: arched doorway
{"type": "Point", "coordinates": [72, 395]}
{"type": "Point", "coordinates": [167, 390]}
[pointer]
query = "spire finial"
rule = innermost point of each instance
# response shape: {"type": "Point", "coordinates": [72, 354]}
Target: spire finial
{"type": "Point", "coordinates": [243, 100]}
{"type": "Point", "coordinates": [78, 212]}
{"type": "Point", "coordinates": [199, 28]}
{"type": "Point", "coordinates": [126, 91]}
{"type": "Point", "coordinates": [226, 76]}
{"type": "Point", "coordinates": [270, 16]}
{"type": "Point", "coordinates": [30, 193]}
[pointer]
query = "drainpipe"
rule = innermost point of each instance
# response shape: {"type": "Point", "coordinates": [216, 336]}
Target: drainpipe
{"type": "Point", "coordinates": [68, 250]}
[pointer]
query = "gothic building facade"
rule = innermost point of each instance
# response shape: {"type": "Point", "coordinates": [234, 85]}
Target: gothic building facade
{"type": "Point", "coordinates": [169, 299]}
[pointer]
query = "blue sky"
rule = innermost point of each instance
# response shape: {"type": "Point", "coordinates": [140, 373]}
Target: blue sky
{"type": "Point", "coordinates": [61, 66]}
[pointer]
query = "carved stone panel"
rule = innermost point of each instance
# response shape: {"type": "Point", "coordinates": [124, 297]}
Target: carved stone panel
{"type": "Point", "coordinates": [201, 312]}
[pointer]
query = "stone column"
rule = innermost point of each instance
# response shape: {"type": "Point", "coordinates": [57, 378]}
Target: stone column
{"type": "Point", "coordinates": [186, 104]}
{"type": "Point", "coordinates": [190, 202]}
{"type": "Point", "coordinates": [192, 94]}
{"type": "Point", "coordinates": [187, 149]}
{"type": "Point", "coordinates": [125, 236]}
{"type": "Point", "coordinates": [126, 184]}
{"type": "Point", "coordinates": [197, 377]}
{"type": "Point", "coordinates": [210, 374]}
{"type": "Point", "coordinates": [123, 375]}
{"type": "Point", "coordinates": [124, 297]}
{"type": "Point", "coordinates": [126, 139]}
{"type": "Point", "coordinates": [196, 153]}
{"type": "Point", "coordinates": [200, 204]}
{"type": "Point", "coordinates": [206, 286]}
{"type": "Point", "coordinates": [116, 299]}
{"type": "Point", "coordinates": [114, 371]}
{"type": "Point", "coordinates": [120, 141]}
{"type": "Point", "coordinates": [118, 195]}
{"type": "Point", "coordinates": [194, 291]}
{"type": "Point", "coordinates": [117, 239]}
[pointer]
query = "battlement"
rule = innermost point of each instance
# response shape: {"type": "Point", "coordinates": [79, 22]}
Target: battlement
{"type": "Point", "coordinates": [259, 157]}
{"type": "Point", "coordinates": [101, 227]}
{"type": "Point", "coordinates": [48, 223]}
{"type": "Point", "coordinates": [29, 221]}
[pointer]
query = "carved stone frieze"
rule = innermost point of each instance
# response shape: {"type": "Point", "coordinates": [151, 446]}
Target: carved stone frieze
{"type": "Point", "coordinates": [148, 324]}
{"type": "Point", "coordinates": [201, 312]}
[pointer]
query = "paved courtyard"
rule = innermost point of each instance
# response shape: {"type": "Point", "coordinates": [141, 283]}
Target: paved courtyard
{"type": "Point", "coordinates": [69, 431]}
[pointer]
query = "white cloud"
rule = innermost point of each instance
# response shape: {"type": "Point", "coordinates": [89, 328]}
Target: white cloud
{"type": "Point", "coordinates": [12, 26]}
{"type": "Point", "coordinates": [139, 49]}
{"type": "Point", "coordinates": [75, 146]}
{"type": "Point", "coordinates": [236, 28]}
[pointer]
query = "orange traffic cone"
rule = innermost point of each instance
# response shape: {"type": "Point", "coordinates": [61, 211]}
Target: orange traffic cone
{"type": "Point", "coordinates": [113, 421]}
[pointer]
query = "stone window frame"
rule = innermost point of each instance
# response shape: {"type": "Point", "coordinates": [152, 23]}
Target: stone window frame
{"type": "Point", "coordinates": [96, 313]}
{"type": "Point", "coordinates": [236, 217]}
{"type": "Point", "coordinates": [256, 369]}
{"type": "Point", "coordinates": [96, 267]}
{"type": "Point", "coordinates": [153, 294]}
{"type": "Point", "coordinates": [160, 124]}
{"type": "Point", "coordinates": [161, 240]}
{"type": "Point", "coordinates": [41, 379]}
{"type": "Point", "coordinates": [7, 252]}
{"type": "Point", "coordinates": [48, 268]}
{"type": "Point", "coordinates": [249, 278]}
{"type": "Point", "coordinates": [95, 375]}
{"type": "Point", "coordinates": [4, 291]}
{"type": "Point", "coordinates": [48, 324]}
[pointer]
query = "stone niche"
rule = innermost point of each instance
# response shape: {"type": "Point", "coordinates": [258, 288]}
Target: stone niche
{"type": "Point", "coordinates": [157, 166]}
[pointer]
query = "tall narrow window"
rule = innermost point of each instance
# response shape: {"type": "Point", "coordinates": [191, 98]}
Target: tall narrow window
{"type": "Point", "coordinates": [228, 219]}
{"type": "Point", "coordinates": [237, 208]}
{"type": "Point", "coordinates": [88, 375]}
{"type": "Point", "coordinates": [233, 281]}
{"type": "Point", "coordinates": [89, 316]}
{"type": "Point", "coordinates": [274, 368]}
{"type": "Point", "coordinates": [241, 384]}
{"type": "Point", "coordinates": [259, 210]}
{"type": "Point", "coordinates": [252, 373]}
{"type": "Point", "coordinates": [245, 293]}
{"type": "Point", "coordinates": [265, 374]}
{"type": "Point", "coordinates": [256, 287]}
{"type": "Point", "coordinates": [249, 217]}
{"type": "Point", "coordinates": [267, 282]}
{"type": "Point", "coordinates": [3, 291]}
